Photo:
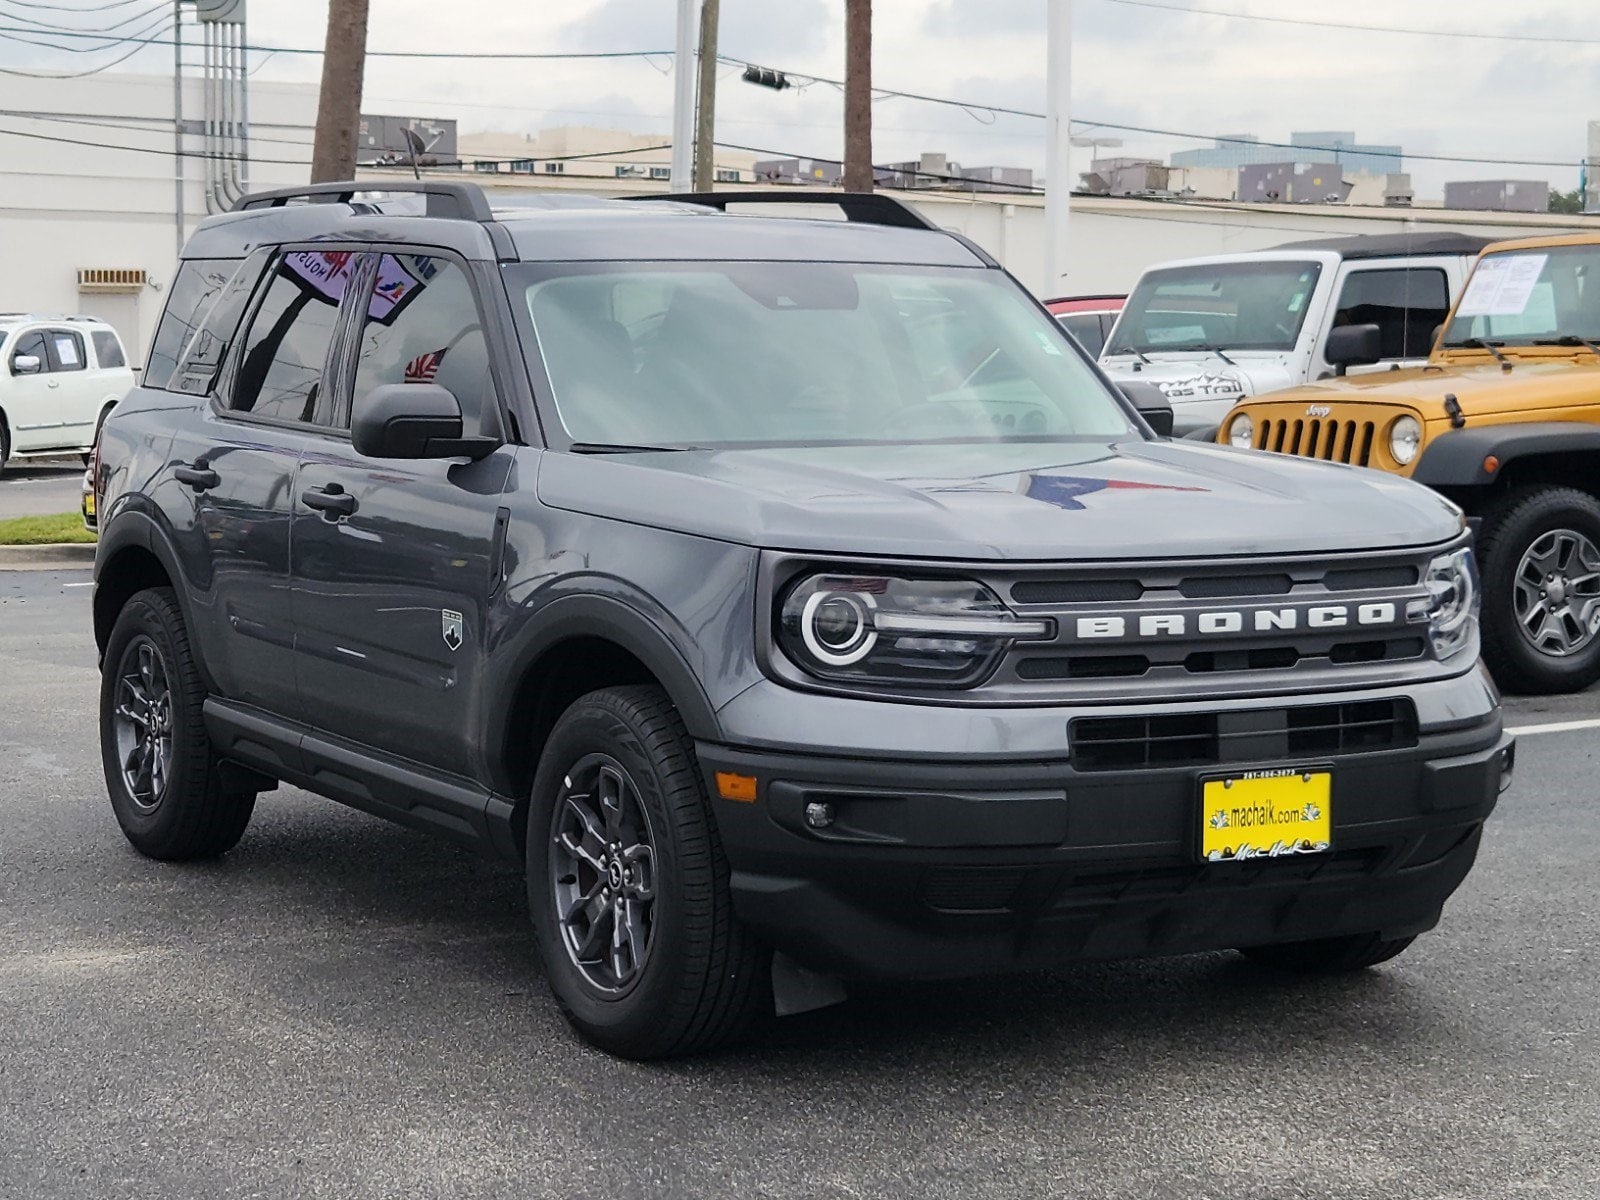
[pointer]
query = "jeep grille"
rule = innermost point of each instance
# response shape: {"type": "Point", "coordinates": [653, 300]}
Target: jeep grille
{"type": "Point", "coordinates": [1330, 439]}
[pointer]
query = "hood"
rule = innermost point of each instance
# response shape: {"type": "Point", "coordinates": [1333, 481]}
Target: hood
{"type": "Point", "coordinates": [1022, 502]}
{"type": "Point", "coordinates": [1204, 377]}
{"type": "Point", "coordinates": [1481, 389]}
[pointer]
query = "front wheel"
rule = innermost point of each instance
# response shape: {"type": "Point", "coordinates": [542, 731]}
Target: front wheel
{"type": "Point", "coordinates": [165, 785]}
{"type": "Point", "coordinates": [1539, 552]}
{"type": "Point", "coordinates": [628, 886]}
{"type": "Point", "coordinates": [1329, 956]}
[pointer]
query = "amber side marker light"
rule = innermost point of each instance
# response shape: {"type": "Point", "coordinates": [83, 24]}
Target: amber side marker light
{"type": "Point", "coordinates": [736, 787]}
{"type": "Point", "coordinates": [1491, 465]}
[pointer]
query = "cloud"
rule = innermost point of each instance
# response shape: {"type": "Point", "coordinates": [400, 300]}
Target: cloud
{"type": "Point", "coordinates": [748, 28]}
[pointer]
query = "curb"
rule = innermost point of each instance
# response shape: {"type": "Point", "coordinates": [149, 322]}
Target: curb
{"type": "Point", "coordinates": [71, 556]}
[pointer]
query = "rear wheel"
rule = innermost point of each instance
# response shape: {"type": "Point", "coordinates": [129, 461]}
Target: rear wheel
{"type": "Point", "coordinates": [1539, 551]}
{"type": "Point", "coordinates": [164, 781]}
{"type": "Point", "coordinates": [628, 886]}
{"type": "Point", "coordinates": [5, 443]}
{"type": "Point", "coordinates": [1329, 956]}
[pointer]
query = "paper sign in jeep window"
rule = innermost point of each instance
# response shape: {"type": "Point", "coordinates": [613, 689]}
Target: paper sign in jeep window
{"type": "Point", "coordinates": [1528, 298]}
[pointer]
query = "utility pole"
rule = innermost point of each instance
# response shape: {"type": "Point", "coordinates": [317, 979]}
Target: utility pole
{"type": "Point", "coordinates": [333, 156]}
{"type": "Point", "coordinates": [683, 100]}
{"type": "Point", "coordinates": [705, 127]}
{"type": "Point", "coordinates": [858, 95]}
{"type": "Point", "coordinates": [1058, 145]}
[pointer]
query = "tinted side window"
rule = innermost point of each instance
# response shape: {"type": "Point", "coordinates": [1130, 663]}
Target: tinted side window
{"type": "Point", "coordinates": [1406, 305]}
{"type": "Point", "coordinates": [107, 350]}
{"type": "Point", "coordinates": [66, 351]}
{"type": "Point", "coordinates": [1086, 330]}
{"type": "Point", "coordinates": [422, 327]}
{"type": "Point", "coordinates": [193, 288]}
{"type": "Point", "coordinates": [31, 344]}
{"type": "Point", "coordinates": [286, 350]}
{"type": "Point", "coordinates": [196, 373]}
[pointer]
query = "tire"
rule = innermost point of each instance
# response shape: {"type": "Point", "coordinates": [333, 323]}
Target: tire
{"type": "Point", "coordinates": [98, 426]}
{"type": "Point", "coordinates": [692, 979]}
{"type": "Point", "coordinates": [1525, 525]}
{"type": "Point", "coordinates": [1329, 956]}
{"type": "Point", "coordinates": [5, 443]}
{"type": "Point", "coordinates": [178, 811]}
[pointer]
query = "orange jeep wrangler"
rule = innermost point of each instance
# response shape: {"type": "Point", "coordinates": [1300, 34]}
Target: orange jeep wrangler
{"type": "Point", "coordinates": [1504, 420]}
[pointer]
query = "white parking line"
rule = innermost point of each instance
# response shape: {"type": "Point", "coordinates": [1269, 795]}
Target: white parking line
{"type": "Point", "coordinates": [89, 584]}
{"type": "Point", "coordinates": [1554, 727]}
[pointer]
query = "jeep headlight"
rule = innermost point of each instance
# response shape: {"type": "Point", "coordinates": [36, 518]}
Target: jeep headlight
{"type": "Point", "coordinates": [1405, 436]}
{"type": "Point", "coordinates": [1451, 606]}
{"type": "Point", "coordinates": [887, 629]}
{"type": "Point", "coordinates": [1242, 432]}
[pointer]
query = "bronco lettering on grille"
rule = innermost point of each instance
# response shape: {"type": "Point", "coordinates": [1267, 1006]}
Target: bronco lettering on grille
{"type": "Point", "coordinates": [1238, 622]}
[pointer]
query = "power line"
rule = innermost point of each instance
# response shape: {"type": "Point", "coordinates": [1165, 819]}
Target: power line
{"type": "Point", "coordinates": [1090, 124]}
{"type": "Point", "coordinates": [161, 22]}
{"type": "Point", "coordinates": [1469, 34]}
{"type": "Point", "coordinates": [122, 58]}
{"type": "Point", "coordinates": [476, 55]}
{"type": "Point", "coordinates": [93, 8]}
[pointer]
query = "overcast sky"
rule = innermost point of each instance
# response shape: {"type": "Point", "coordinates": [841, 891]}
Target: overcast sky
{"type": "Point", "coordinates": [1186, 72]}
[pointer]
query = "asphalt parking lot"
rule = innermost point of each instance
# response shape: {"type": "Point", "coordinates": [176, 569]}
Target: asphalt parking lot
{"type": "Point", "coordinates": [40, 488]}
{"type": "Point", "coordinates": [342, 1008]}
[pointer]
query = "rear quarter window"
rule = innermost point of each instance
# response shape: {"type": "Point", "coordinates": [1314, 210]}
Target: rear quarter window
{"type": "Point", "coordinates": [195, 286]}
{"type": "Point", "coordinates": [108, 350]}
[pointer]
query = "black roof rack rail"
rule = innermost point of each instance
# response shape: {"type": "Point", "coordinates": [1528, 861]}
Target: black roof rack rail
{"type": "Point", "coordinates": [461, 201]}
{"type": "Point", "coordinates": [867, 208]}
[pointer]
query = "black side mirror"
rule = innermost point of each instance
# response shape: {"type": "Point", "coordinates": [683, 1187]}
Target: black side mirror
{"type": "Point", "coordinates": [1353, 346]}
{"type": "Point", "coordinates": [412, 420]}
{"type": "Point", "coordinates": [1152, 404]}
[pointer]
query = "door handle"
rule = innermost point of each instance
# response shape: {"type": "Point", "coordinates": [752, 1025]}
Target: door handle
{"type": "Point", "coordinates": [200, 477]}
{"type": "Point", "coordinates": [52, 383]}
{"type": "Point", "coordinates": [331, 501]}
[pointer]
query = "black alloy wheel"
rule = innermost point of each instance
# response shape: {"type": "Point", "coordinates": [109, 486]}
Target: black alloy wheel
{"type": "Point", "coordinates": [628, 886]}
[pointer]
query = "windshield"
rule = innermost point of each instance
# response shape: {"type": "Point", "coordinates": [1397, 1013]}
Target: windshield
{"type": "Point", "coordinates": [728, 354]}
{"type": "Point", "coordinates": [1222, 306]}
{"type": "Point", "coordinates": [1527, 296]}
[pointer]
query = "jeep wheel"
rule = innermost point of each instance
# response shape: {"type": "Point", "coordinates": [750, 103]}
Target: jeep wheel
{"type": "Point", "coordinates": [163, 778]}
{"type": "Point", "coordinates": [1328, 956]}
{"type": "Point", "coordinates": [628, 887]}
{"type": "Point", "coordinates": [1540, 558]}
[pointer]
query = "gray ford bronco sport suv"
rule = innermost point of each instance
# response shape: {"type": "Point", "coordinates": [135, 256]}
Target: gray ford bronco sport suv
{"type": "Point", "coordinates": [789, 598]}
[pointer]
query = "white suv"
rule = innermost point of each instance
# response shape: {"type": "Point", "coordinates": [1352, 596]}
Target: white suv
{"type": "Point", "coordinates": [60, 377]}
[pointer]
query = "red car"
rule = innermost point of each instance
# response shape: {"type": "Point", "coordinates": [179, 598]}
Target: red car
{"type": "Point", "coordinates": [1088, 318]}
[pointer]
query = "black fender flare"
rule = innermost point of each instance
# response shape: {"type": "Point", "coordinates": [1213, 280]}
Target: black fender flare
{"type": "Point", "coordinates": [134, 528]}
{"type": "Point", "coordinates": [615, 620]}
{"type": "Point", "coordinates": [1456, 458]}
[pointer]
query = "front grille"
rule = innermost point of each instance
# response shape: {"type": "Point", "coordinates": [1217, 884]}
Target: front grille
{"type": "Point", "coordinates": [1251, 735]}
{"type": "Point", "coordinates": [1330, 439]}
{"type": "Point", "coordinates": [1211, 662]}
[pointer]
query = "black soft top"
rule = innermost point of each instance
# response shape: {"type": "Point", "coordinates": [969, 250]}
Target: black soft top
{"type": "Point", "coordinates": [1395, 245]}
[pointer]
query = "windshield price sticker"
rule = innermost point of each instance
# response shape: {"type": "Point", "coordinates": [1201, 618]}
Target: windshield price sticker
{"type": "Point", "coordinates": [1502, 285]}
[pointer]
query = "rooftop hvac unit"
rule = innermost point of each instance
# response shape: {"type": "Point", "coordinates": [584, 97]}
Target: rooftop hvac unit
{"type": "Point", "coordinates": [119, 280]}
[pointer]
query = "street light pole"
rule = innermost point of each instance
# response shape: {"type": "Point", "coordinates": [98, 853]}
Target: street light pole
{"type": "Point", "coordinates": [683, 98]}
{"type": "Point", "coordinates": [1058, 148]}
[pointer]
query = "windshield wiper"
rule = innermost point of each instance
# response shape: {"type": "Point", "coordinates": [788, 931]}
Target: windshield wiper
{"type": "Point", "coordinates": [1217, 350]}
{"type": "Point", "coordinates": [1569, 339]}
{"type": "Point", "coordinates": [619, 448]}
{"type": "Point", "coordinates": [1133, 350]}
{"type": "Point", "coordinates": [1474, 343]}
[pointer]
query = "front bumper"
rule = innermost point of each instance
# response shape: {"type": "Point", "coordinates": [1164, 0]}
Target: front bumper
{"type": "Point", "coordinates": [939, 869]}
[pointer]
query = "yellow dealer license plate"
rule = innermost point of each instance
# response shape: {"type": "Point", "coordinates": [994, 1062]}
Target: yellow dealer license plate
{"type": "Point", "coordinates": [1265, 814]}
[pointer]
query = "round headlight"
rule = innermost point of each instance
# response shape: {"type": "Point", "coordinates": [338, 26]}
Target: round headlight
{"type": "Point", "coordinates": [1405, 436]}
{"type": "Point", "coordinates": [836, 627]}
{"type": "Point", "coordinates": [1242, 432]}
